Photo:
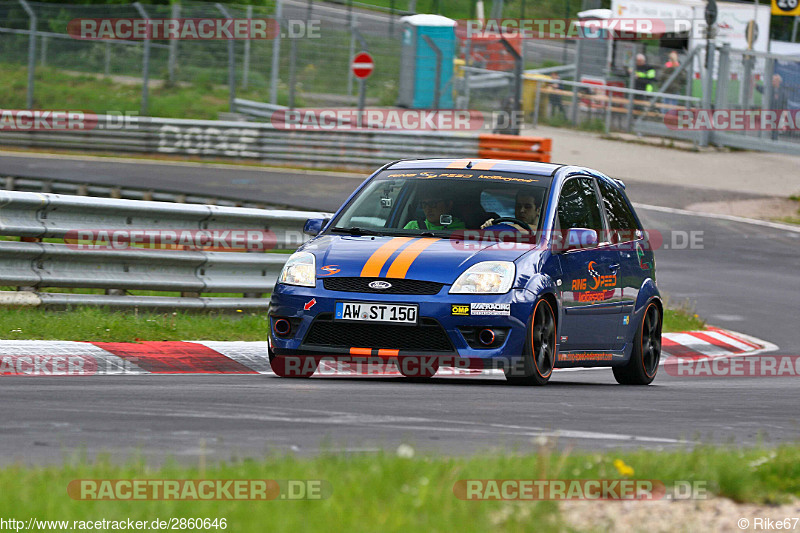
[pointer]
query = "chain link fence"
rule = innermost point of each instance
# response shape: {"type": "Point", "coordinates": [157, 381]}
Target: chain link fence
{"type": "Point", "coordinates": [307, 62]}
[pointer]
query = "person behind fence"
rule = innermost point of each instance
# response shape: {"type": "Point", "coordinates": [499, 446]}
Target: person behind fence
{"type": "Point", "coordinates": [645, 75]}
{"type": "Point", "coordinates": [779, 99]}
{"type": "Point", "coordinates": [555, 99]}
{"type": "Point", "coordinates": [678, 85]}
{"type": "Point", "coordinates": [438, 211]}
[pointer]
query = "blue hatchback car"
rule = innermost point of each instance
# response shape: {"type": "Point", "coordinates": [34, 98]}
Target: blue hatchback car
{"type": "Point", "coordinates": [506, 264]}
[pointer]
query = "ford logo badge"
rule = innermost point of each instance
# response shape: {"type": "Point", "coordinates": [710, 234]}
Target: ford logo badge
{"type": "Point", "coordinates": [379, 285]}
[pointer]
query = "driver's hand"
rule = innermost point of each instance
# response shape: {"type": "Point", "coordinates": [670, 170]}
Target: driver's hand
{"type": "Point", "coordinates": [488, 223]}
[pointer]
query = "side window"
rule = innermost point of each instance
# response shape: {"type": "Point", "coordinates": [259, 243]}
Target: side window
{"type": "Point", "coordinates": [578, 206]}
{"type": "Point", "coordinates": [621, 222]}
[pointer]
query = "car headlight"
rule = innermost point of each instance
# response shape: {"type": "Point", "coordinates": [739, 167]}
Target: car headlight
{"type": "Point", "coordinates": [300, 269]}
{"type": "Point", "coordinates": [488, 277]}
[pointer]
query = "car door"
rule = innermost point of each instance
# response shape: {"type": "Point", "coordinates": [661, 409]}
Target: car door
{"type": "Point", "coordinates": [589, 294]}
{"type": "Point", "coordinates": [628, 240]}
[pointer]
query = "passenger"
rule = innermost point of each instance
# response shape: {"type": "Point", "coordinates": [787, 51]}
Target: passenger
{"type": "Point", "coordinates": [436, 210]}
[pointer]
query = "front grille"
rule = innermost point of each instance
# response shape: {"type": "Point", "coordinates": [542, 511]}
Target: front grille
{"type": "Point", "coordinates": [399, 286]}
{"type": "Point", "coordinates": [428, 336]}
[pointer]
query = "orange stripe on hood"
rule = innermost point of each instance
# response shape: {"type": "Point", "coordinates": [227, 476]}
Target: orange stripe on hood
{"type": "Point", "coordinates": [372, 268]}
{"type": "Point", "coordinates": [400, 266]}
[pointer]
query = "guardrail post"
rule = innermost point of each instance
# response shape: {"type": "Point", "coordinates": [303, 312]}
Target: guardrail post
{"type": "Point", "coordinates": [276, 55]}
{"type": "Point", "coordinates": [31, 50]}
{"type": "Point", "coordinates": [145, 63]}
{"type": "Point", "coordinates": [231, 63]}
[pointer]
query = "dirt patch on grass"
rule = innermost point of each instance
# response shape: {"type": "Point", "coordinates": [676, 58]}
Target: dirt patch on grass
{"type": "Point", "coordinates": [716, 514]}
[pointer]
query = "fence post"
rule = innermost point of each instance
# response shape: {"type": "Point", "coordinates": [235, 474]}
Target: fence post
{"type": "Point", "coordinates": [631, 86]}
{"type": "Point", "coordinates": [276, 55]}
{"type": "Point", "coordinates": [517, 84]}
{"type": "Point", "coordinates": [31, 50]}
{"type": "Point", "coordinates": [351, 54]}
{"type": "Point", "coordinates": [292, 69]}
{"type": "Point", "coordinates": [708, 87]}
{"type": "Point", "coordinates": [723, 76]}
{"type": "Point", "coordinates": [145, 63]}
{"type": "Point", "coordinates": [107, 59]}
{"type": "Point", "coordinates": [768, 94]}
{"type": "Point", "coordinates": [231, 64]}
{"type": "Point", "coordinates": [246, 60]}
{"type": "Point", "coordinates": [173, 45]}
{"type": "Point", "coordinates": [43, 56]}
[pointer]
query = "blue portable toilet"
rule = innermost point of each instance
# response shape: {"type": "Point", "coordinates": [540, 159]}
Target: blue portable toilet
{"type": "Point", "coordinates": [417, 86]}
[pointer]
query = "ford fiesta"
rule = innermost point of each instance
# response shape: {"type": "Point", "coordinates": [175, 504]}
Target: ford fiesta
{"type": "Point", "coordinates": [505, 264]}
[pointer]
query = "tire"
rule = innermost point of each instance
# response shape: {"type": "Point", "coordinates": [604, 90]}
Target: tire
{"type": "Point", "coordinates": [305, 369]}
{"type": "Point", "coordinates": [418, 368]}
{"type": "Point", "coordinates": [539, 353]}
{"type": "Point", "coordinates": [642, 367]}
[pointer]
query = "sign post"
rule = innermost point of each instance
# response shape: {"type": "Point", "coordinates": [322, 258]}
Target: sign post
{"type": "Point", "coordinates": [362, 67]}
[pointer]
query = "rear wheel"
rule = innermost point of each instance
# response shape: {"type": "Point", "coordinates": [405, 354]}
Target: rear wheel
{"type": "Point", "coordinates": [292, 366]}
{"type": "Point", "coordinates": [539, 354]}
{"type": "Point", "coordinates": [643, 365]}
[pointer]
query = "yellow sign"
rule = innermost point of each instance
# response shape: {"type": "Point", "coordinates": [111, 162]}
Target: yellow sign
{"type": "Point", "coordinates": [786, 7]}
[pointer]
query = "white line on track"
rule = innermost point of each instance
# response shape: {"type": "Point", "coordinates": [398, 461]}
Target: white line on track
{"type": "Point", "coordinates": [731, 218]}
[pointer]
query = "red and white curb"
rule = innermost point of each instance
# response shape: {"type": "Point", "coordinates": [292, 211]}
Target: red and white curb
{"type": "Point", "coordinates": [72, 358]}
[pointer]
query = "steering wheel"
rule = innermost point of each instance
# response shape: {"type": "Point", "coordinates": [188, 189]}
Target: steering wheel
{"type": "Point", "coordinates": [515, 221]}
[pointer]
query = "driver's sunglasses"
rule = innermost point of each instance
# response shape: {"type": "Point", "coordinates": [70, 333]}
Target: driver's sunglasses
{"type": "Point", "coordinates": [429, 203]}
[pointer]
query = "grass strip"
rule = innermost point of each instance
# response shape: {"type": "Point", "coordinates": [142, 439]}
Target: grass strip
{"type": "Point", "coordinates": [104, 325]}
{"type": "Point", "coordinates": [400, 491]}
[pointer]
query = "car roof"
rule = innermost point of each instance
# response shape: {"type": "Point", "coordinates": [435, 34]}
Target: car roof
{"type": "Point", "coordinates": [497, 165]}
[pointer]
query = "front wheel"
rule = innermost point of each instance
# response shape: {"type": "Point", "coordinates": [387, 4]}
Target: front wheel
{"type": "Point", "coordinates": [642, 367]}
{"type": "Point", "coordinates": [539, 355]}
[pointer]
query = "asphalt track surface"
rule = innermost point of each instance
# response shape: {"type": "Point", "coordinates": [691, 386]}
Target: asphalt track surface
{"type": "Point", "coordinates": [744, 278]}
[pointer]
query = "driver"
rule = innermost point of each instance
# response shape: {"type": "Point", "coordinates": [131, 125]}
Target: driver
{"type": "Point", "coordinates": [434, 208]}
{"type": "Point", "coordinates": [526, 209]}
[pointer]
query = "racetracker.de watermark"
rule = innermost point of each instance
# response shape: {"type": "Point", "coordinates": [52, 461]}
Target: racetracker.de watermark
{"type": "Point", "coordinates": [192, 29]}
{"type": "Point", "coordinates": [554, 29]}
{"type": "Point", "coordinates": [199, 489]}
{"type": "Point", "coordinates": [564, 240]}
{"type": "Point", "coordinates": [64, 120]}
{"type": "Point", "coordinates": [229, 240]}
{"type": "Point", "coordinates": [343, 119]}
{"type": "Point", "coordinates": [577, 489]}
{"type": "Point", "coordinates": [733, 119]}
{"type": "Point", "coordinates": [752, 366]}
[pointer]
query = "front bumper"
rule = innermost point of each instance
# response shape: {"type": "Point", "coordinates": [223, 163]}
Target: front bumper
{"type": "Point", "coordinates": [306, 308]}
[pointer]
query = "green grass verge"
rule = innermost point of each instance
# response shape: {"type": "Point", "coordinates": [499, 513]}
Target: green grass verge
{"type": "Point", "coordinates": [102, 325]}
{"type": "Point", "coordinates": [387, 492]}
{"type": "Point", "coordinates": [96, 325]}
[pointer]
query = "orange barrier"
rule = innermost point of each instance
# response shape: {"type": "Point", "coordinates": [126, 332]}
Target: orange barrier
{"type": "Point", "coordinates": [494, 146]}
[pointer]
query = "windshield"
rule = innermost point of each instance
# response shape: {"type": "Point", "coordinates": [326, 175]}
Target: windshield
{"type": "Point", "coordinates": [443, 202]}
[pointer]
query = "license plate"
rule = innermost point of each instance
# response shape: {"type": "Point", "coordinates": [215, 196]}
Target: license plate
{"type": "Point", "coordinates": [376, 312]}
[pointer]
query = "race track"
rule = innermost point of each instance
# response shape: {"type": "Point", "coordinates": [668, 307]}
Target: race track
{"type": "Point", "coordinates": [743, 278]}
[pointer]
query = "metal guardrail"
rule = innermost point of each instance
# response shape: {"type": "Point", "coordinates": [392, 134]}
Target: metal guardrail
{"type": "Point", "coordinates": [34, 265]}
{"type": "Point", "coordinates": [56, 186]}
{"type": "Point", "coordinates": [251, 140]}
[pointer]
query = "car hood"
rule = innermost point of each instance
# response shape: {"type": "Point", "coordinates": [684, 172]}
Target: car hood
{"type": "Point", "coordinates": [421, 258]}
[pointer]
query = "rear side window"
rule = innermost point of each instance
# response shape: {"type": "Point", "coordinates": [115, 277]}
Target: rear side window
{"type": "Point", "coordinates": [621, 222]}
{"type": "Point", "coordinates": [578, 206]}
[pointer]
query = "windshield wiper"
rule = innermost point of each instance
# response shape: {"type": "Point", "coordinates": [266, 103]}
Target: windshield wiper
{"type": "Point", "coordinates": [353, 230]}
